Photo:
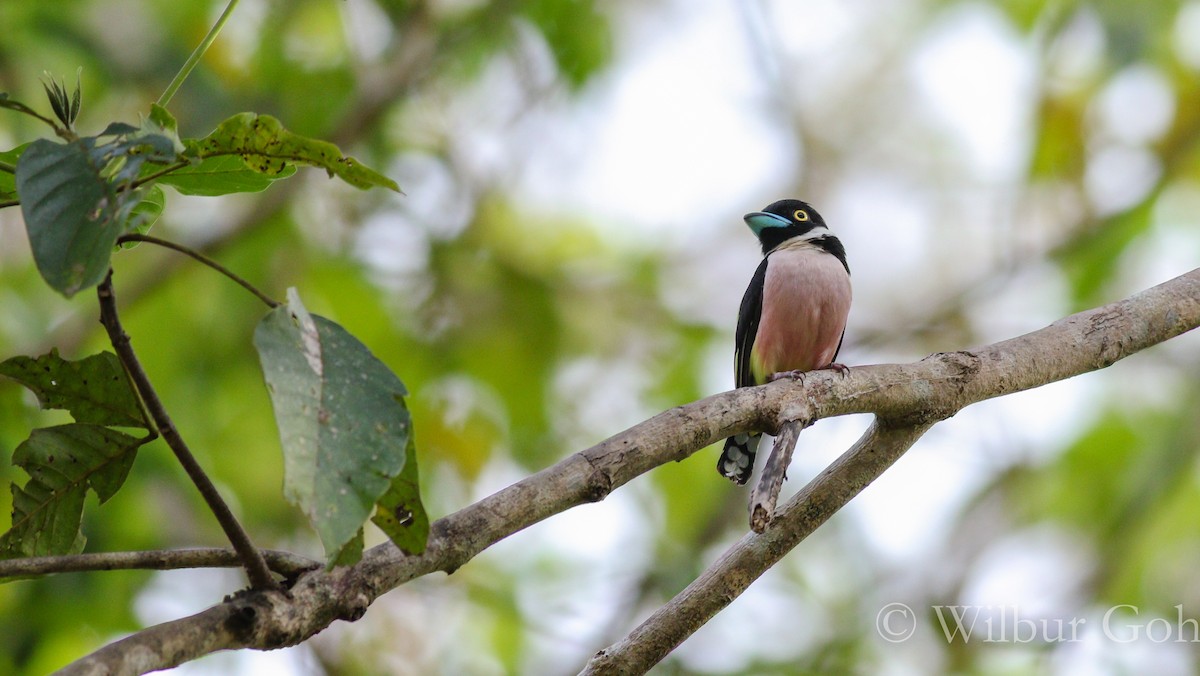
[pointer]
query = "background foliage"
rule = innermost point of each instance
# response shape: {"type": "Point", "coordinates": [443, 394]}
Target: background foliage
{"type": "Point", "coordinates": [529, 322]}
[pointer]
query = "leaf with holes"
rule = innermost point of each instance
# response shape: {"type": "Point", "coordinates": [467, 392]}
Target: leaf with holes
{"type": "Point", "coordinates": [94, 390]}
{"type": "Point", "coordinates": [399, 512]}
{"type": "Point", "coordinates": [266, 147]}
{"type": "Point", "coordinates": [345, 430]}
{"type": "Point", "coordinates": [63, 463]}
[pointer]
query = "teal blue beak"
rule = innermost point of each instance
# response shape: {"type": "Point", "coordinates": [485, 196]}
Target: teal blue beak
{"type": "Point", "coordinates": [761, 220]}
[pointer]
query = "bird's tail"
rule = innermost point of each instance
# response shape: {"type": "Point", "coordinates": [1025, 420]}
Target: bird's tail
{"type": "Point", "coordinates": [737, 460]}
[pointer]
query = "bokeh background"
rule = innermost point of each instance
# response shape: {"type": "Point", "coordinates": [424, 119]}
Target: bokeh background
{"type": "Point", "coordinates": [568, 260]}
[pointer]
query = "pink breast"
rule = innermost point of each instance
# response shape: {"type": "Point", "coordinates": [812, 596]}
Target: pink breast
{"type": "Point", "coordinates": [806, 298]}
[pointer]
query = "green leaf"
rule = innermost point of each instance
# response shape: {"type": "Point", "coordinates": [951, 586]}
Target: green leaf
{"type": "Point", "coordinates": [60, 102]}
{"type": "Point", "coordinates": [94, 390]}
{"type": "Point", "coordinates": [350, 554]}
{"type": "Point", "coordinates": [342, 421]}
{"type": "Point", "coordinates": [63, 462]}
{"type": "Point", "coordinates": [77, 199]}
{"type": "Point", "coordinates": [266, 147]}
{"type": "Point", "coordinates": [399, 513]}
{"type": "Point", "coordinates": [71, 213]}
{"type": "Point", "coordinates": [163, 120]}
{"type": "Point", "coordinates": [8, 181]}
{"type": "Point", "coordinates": [118, 129]}
{"type": "Point", "coordinates": [77, 97]}
{"type": "Point", "coordinates": [221, 175]}
{"type": "Point", "coordinates": [160, 123]}
{"type": "Point", "coordinates": [146, 213]}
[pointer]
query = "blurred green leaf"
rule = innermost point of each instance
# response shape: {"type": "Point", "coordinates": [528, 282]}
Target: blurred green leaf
{"type": "Point", "coordinates": [342, 421]}
{"type": "Point", "coordinates": [63, 462]}
{"type": "Point", "coordinates": [94, 390]}
{"type": "Point", "coordinates": [1087, 480]}
{"type": "Point", "coordinates": [1058, 151]}
{"type": "Point", "coordinates": [577, 33]}
{"type": "Point", "coordinates": [1092, 260]}
{"type": "Point", "coordinates": [266, 147]}
{"type": "Point", "coordinates": [1134, 31]}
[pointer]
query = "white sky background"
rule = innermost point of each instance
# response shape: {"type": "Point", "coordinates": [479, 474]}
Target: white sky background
{"type": "Point", "coordinates": [690, 128]}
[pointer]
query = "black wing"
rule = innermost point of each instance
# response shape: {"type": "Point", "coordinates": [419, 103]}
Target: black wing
{"type": "Point", "coordinates": [747, 326]}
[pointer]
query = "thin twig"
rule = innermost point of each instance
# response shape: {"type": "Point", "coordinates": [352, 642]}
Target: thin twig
{"type": "Point", "coordinates": [8, 168]}
{"type": "Point", "coordinates": [22, 108]}
{"type": "Point", "coordinates": [766, 491]}
{"type": "Point", "coordinates": [135, 237]}
{"type": "Point", "coordinates": [256, 568]}
{"type": "Point", "coordinates": [285, 563]}
{"type": "Point", "coordinates": [196, 55]}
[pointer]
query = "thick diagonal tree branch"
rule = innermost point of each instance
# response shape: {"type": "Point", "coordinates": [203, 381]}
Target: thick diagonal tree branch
{"type": "Point", "coordinates": [906, 399]}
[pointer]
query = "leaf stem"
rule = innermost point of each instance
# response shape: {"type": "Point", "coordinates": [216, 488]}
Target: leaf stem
{"type": "Point", "coordinates": [8, 168]}
{"type": "Point", "coordinates": [252, 559]}
{"type": "Point", "coordinates": [196, 55]}
{"type": "Point", "coordinates": [142, 180]}
{"type": "Point", "coordinates": [136, 237]}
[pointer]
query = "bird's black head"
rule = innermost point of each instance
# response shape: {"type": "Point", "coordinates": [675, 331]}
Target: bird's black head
{"type": "Point", "coordinates": [786, 219]}
{"type": "Point", "coordinates": [783, 220]}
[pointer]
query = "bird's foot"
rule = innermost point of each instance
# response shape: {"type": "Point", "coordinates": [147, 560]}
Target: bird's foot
{"type": "Point", "coordinates": [841, 369]}
{"type": "Point", "coordinates": [790, 375]}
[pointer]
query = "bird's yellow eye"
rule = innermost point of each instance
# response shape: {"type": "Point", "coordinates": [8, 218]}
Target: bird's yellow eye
{"type": "Point", "coordinates": [800, 215]}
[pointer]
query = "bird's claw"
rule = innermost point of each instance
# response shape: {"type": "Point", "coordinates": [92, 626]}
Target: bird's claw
{"type": "Point", "coordinates": [790, 375]}
{"type": "Point", "coordinates": [841, 369]}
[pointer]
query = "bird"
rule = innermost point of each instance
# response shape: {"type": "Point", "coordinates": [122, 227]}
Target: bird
{"type": "Point", "coordinates": [793, 315]}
